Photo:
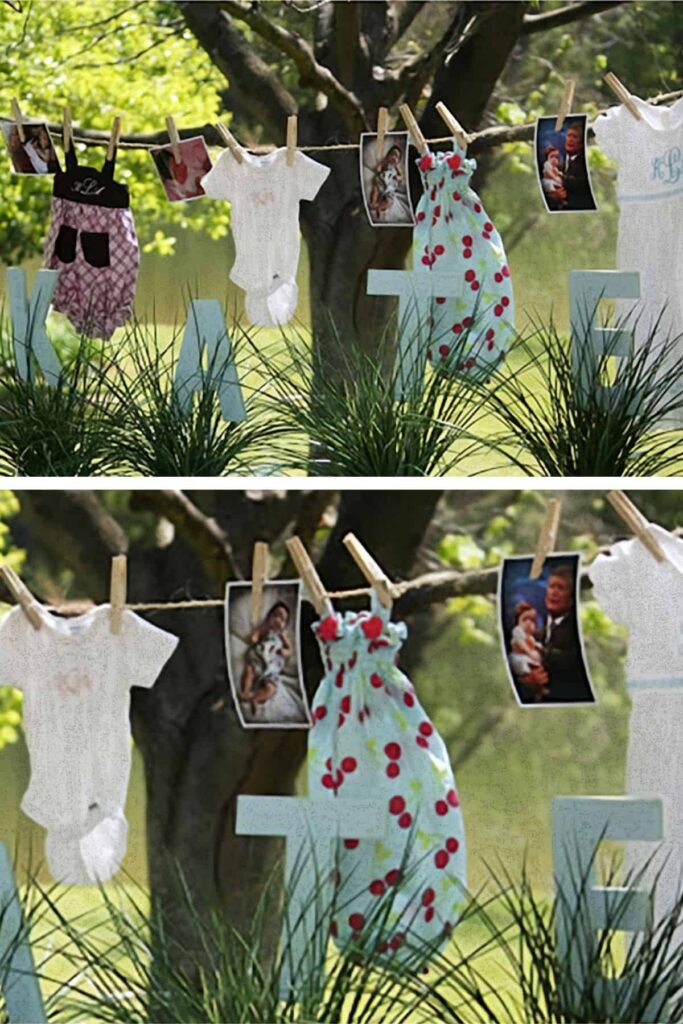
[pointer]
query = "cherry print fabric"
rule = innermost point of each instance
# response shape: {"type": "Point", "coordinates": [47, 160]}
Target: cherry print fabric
{"type": "Point", "coordinates": [93, 244]}
{"type": "Point", "coordinates": [453, 233]}
{"type": "Point", "coordinates": [371, 736]}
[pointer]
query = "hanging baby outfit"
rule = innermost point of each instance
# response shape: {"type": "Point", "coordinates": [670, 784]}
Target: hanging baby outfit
{"type": "Point", "coordinates": [645, 595]}
{"type": "Point", "coordinates": [649, 153]}
{"type": "Point", "coordinates": [75, 675]}
{"type": "Point", "coordinates": [371, 738]}
{"type": "Point", "coordinates": [93, 245]}
{"type": "Point", "coordinates": [265, 194]}
{"type": "Point", "coordinates": [453, 233]}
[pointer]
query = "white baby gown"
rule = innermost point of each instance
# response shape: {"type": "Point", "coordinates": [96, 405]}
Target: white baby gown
{"type": "Point", "coordinates": [264, 194]}
{"type": "Point", "coordinates": [75, 676]}
{"type": "Point", "coordinates": [645, 595]}
{"type": "Point", "coordinates": [649, 153]}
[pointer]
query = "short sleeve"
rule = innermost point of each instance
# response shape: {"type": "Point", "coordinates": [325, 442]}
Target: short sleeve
{"type": "Point", "coordinates": [613, 587]}
{"type": "Point", "coordinates": [14, 648]}
{"type": "Point", "coordinates": [221, 181]}
{"type": "Point", "coordinates": [311, 176]}
{"type": "Point", "coordinates": [607, 128]}
{"type": "Point", "coordinates": [148, 648]}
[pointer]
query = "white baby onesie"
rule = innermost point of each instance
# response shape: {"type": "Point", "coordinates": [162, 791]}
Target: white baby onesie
{"type": "Point", "coordinates": [265, 195]}
{"type": "Point", "coordinates": [649, 153]}
{"type": "Point", "coordinates": [647, 596]}
{"type": "Point", "coordinates": [75, 675]}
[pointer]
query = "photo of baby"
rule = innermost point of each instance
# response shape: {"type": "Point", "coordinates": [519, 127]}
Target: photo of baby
{"type": "Point", "coordinates": [384, 180]}
{"type": "Point", "coordinates": [263, 656]}
{"type": "Point", "coordinates": [540, 632]}
{"type": "Point", "coordinates": [181, 178]}
{"type": "Point", "coordinates": [561, 165]}
{"type": "Point", "coordinates": [36, 154]}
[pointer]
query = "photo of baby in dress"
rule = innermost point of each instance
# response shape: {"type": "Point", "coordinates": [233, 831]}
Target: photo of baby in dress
{"type": "Point", "coordinates": [384, 179]}
{"type": "Point", "coordinates": [36, 155]}
{"type": "Point", "coordinates": [181, 178]}
{"type": "Point", "coordinates": [264, 660]}
{"type": "Point", "coordinates": [561, 165]}
{"type": "Point", "coordinates": [541, 633]}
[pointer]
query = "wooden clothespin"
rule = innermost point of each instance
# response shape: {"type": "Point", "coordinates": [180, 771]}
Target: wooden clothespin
{"type": "Point", "coordinates": [453, 125]}
{"type": "Point", "coordinates": [18, 120]}
{"type": "Point", "coordinates": [413, 127]}
{"type": "Point", "coordinates": [565, 103]}
{"type": "Point", "coordinates": [174, 138]}
{"type": "Point", "coordinates": [67, 131]}
{"type": "Point", "coordinates": [292, 134]}
{"type": "Point", "coordinates": [259, 572]}
{"type": "Point", "coordinates": [312, 582]}
{"type": "Point", "coordinates": [118, 588]}
{"type": "Point", "coordinates": [636, 521]}
{"type": "Point", "coordinates": [22, 595]}
{"type": "Point", "coordinates": [114, 137]}
{"type": "Point", "coordinates": [230, 141]}
{"type": "Point", "coordinates": [382, 124]}
{"type": "Point", "coordinates": [622, 94]}
{"type": "Point", "coordinates": [372, 571]}
{"type": "Point", "coordinates": [547, 538]}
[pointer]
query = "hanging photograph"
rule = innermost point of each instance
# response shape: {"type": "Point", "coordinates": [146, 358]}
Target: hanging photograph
{"type": "Point", "coordinates": [182, 178]}
{"type": "Point", "coordinates": [384, 179]}
{"type": "Point", "coordinates": [36, 154]}
{"type": "Point", "coordinates": [264, 656]}
{"type": "Point", "coordinates": [561, 165]}
{"type": "Point", "coordinates": [540, 632]}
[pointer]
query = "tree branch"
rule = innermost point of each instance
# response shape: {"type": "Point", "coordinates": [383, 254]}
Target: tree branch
{"type": "Point", "coordinates": [203, 533]}
{"type": "Point", "coordinates": [566, 15]}
{"type": "Point", "coordinates": [402, 14]}
{"type": "Point", "coordinates": [300, 52]}
{"type": "Point", "coordinates": [255, 85]}
{"type": "Point", "coordinates": [74, 528]}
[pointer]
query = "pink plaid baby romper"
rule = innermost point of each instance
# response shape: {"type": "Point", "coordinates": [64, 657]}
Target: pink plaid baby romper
{"type": "Point", "coordinates": [93, 245]}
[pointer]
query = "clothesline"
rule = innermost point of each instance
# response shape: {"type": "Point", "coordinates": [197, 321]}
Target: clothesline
{"type": "Point", "coordinates": [493, 135]}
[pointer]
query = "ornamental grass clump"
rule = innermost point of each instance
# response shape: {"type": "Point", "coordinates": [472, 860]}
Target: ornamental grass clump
{"type": "Point", "coordinates": [65, 426]}
{"type": "Point", "coordinates": [566, 411]}
{"type": "Point", "coordinates": [365, 414]}
{"type": "Point", "coordinates": [168, 433]}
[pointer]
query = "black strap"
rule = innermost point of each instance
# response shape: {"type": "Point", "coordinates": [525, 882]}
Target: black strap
{"type": "Point", "coordinates": [108, 167]}
{"type": "Point", "coordinates": [71, 158]}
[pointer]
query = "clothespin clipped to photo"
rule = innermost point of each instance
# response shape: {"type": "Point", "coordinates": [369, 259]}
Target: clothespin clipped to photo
{"type": "Point", "coordinates": [18, 120]}
{"type": "Point", "coordinates": [118, 589]}
{"type": "Point", "coordinates": [67, 131]}
{"type": "Point", "coordinates": [307, 572]}
{"type": "Point", "coordinates": [622, 94]}
{"type": "Point", "coordinates": [292, 135]}
{"type": "Point", "coordinates": [114, 137]}
{"type": "Point", "coordinates": [382, 125]}
{"type": "Point", "coordinates": [230, 141]}
{"type": "Point", "coordinates": [174, 138]}
{"type": "Point", "coordinates": [413, 127]}
{"type": "Point", "coordinates": [547, 538]}
{"type": "Point", "coordinates": [636, 522]}
{"type": "Point", "coordinates": [453, 125]}
{"type": "Point", "coordinates": [22, 595]}
{"type": "Point", "coordinates": [372, 571]}
{"type": "Point", "coordinates": [259, 572]}
{"type": "Point", "coordinates": [565, 103]}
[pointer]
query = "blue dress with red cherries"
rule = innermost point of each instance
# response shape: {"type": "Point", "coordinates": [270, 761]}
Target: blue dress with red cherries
{"type": "Point", "coordinates": [371, 738]}
{"type": "Point", "coordinates": [472, 330]}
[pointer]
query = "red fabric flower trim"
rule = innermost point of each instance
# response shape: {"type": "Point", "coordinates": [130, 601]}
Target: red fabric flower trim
{"type": "Point", "coordinates": [372, 627]}
{"type": "Point", "coordinates": [328, 629]}
{"type": "Point", "coordinates": [426, 162]}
